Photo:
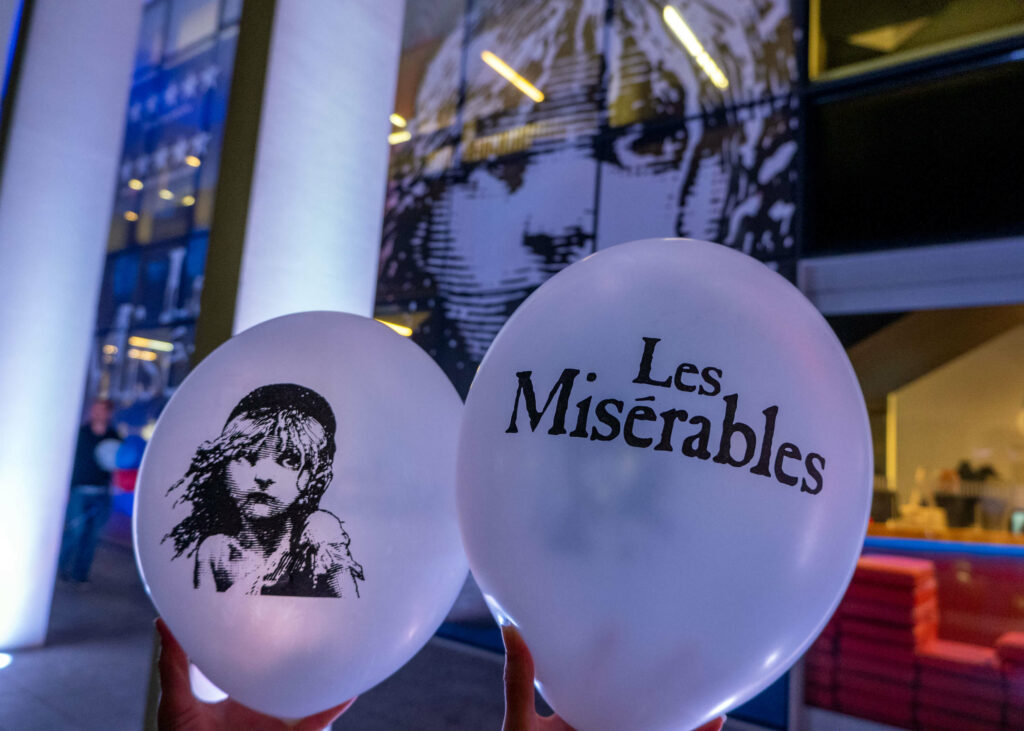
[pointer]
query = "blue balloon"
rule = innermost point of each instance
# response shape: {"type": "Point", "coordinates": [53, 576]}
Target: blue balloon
{"type": "Point", "coordinates": [129, 454]}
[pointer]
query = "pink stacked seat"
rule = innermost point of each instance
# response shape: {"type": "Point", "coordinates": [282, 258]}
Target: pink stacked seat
{"type": "Point", "coordinates": [1010, 650]}
{"type": "Point", "coordinates": [820, 668]}
{"type": "Point", "coordinates": [960, 686]}
{"type": "Point", "coordinates": [889, 611]}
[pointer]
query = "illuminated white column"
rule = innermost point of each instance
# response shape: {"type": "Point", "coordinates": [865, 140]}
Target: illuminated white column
{"type": "Point", "coordinates": [317, 199]}
{"type": "Point", "coordinates": [56, 189]}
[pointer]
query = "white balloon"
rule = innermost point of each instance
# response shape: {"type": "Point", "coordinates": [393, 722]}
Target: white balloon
{"type": "Point", "coordinates": [105, 454]}
{"type": "Point", "coordinates": [658, 578]}
{"type": "Point", "coordinates": [295, 578]}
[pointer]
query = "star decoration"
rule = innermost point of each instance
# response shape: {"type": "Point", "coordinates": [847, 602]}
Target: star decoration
{"type": "Point", "coordinates": [171, 95]}
{"type": "Point", "coordinates": [200, 141]}
{"type": "Point", "coordinates": [208, 77]}
{"type": "Point", "coordinates": [189, 85]}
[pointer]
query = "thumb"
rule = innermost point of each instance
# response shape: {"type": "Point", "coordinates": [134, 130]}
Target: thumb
{"type": "Point", "coordinates": [322, 720]}
{"type": "Point", "coordinates": [519, 697]}
{"type": "Point", "coordinates": [177, 708]}
{"type": "Point", "coordinates": [173, 663]}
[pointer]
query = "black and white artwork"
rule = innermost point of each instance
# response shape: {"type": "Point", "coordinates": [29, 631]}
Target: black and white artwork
{"type": "Point", "coordinates": [729, 177]}
{"type": "Point", "coordinates": [748, 45]}
{"type": "Point", "coordinates": [255, 524]}
{"type": "Point", "coordinates": [471, 245]}
{"type": "Point", "coordinates": [631, 140]}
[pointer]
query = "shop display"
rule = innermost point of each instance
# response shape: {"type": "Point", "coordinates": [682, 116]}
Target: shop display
{"type": "Point", "coordinates": [295, 523]}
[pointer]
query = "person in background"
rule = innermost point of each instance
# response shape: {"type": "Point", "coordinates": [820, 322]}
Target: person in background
{"type": "Point", "coordinates": [89, 500]}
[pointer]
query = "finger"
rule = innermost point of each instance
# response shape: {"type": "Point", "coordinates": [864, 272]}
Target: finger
{"type": "Point", "coordinates": [715, 725]}
{"type": "Point", "coordinates": [519, 698]}
{"type": "Point", "coordinates": [554, 723]}
{"type": "Point", "coordinates": [173, 662]}
{"type": "Point", "coordinates": [322, 720]}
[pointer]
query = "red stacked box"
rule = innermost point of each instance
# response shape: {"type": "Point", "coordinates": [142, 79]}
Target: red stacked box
{"type": "Point", "coordinates": [888, 612]}
{"type": "Point", "coordinates": [820, 668]}
{"type": "Point", "coordinates": [1010, 648]}
{"type": "Point", "coordinates": [960, 686]}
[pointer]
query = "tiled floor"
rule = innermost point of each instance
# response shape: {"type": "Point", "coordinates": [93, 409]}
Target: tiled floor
{"type": "Point", "coordinates": [94, 669]}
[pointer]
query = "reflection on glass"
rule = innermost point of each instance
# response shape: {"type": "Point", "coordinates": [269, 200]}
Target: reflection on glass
{"type": "Point", "coordinates": [523, 53]}
{"type": "Point", "coordinates": [693, 46]}
{"type": "Point", "coordinates": [851, 36]}
{"type": "Point", "coordinates": [191, 21]}
{"type": "Point", "coordinates": [430, 67]}
{"type": "Point", "coordinates": [509, 74]}
{"type": "Point", "coordinates": [151, 38]}
{"type": "Point", "coordinates": [685, 58]}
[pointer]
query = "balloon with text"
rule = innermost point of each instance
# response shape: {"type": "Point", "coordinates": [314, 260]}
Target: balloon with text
{"type": "Point", "coordinates": [664, 479]}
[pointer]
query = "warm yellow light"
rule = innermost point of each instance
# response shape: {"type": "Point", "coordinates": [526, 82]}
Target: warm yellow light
{"type": "Point", "coordinates": [678, 26]}
{"type": "Point", "coordinates": [395, 137]}
{"type": "Point", "coordinates": [512, 77]}
{"type": "Point", "coordinates": [192, 161]}
{"type": "Point", "coordinates": [166, 194]}
{"type": "Point", "coordinates": [188, 200]}
{"type": "Point", "coordinates": [140, 342]}
{"type": "Point", "coordinates": [135, 184]}
{"type": "Point", "coordinates": [141, 354]}
{"type": "Point", "coordinates": [398, 120]}
{"type": "Point", "coordinates": [400, 329]}
{"type": "Point", "coordinates": [131, 216]}
{"type": "Point", "coordinates": [146, 432]}
{"type": "Point", "coordinates": [109, 349]}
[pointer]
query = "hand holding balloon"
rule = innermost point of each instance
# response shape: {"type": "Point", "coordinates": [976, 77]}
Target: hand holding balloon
{"type": "Point", "coordinates": [520, 713]}
{"type": "Point", "coordinates": [180, 709]}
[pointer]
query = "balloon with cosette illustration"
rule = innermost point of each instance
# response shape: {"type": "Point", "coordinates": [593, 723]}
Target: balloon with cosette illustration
{"type": "Point", "coordinates": [295, 521]}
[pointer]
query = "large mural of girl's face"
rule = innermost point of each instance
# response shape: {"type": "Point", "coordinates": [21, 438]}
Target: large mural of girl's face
{"type": "Point", "coordinates": [651, 148]}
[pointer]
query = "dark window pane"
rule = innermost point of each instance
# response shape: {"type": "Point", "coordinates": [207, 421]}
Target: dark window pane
{"type": "Point", "coordinates": [924, 163]}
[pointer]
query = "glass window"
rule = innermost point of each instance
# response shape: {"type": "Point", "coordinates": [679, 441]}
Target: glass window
{"type": "Point", "coordinates": [151, 38]}
{"type": "Point", "coordinates": [728, 177]}
{"type": "Point", "coordinates": [854, 36]}
{"type": "Point", "coordinates": [430, 68]}
{"type": "Point", "coordinates": [928, 162]}
{"type": "Point", "coordinates": [231, 13]}
{"type": "Point", "coordinates": [191, 21]}
{"type": "Point", "coordinates": [683, 58]}
{"type": "Point", "coordinates": [533, 72]}
{"type": "Point", "coordinates": [945, 394]}
{"type": "Point", "coordinates": [923, 634]}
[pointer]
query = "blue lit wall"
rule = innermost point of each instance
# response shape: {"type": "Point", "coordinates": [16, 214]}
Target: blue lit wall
{"type": "Point", "coordinates": [163, 204]}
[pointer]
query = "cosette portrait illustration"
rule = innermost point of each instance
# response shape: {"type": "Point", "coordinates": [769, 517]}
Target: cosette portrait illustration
{"type": "Point", "coordinates": [255, 525]}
